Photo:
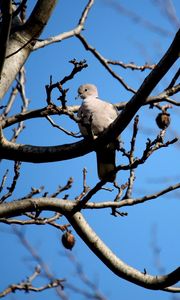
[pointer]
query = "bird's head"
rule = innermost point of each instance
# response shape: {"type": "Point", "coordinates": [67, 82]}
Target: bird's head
{"type": "Point", "coordinates": [87, 90]}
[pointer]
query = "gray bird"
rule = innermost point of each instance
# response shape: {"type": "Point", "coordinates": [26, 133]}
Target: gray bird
{"type": "Point", "coordinates": [96, 115]}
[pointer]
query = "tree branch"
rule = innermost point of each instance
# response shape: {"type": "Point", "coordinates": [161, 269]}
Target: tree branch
{"type": "Point", "coordinates": [104, 62]}
{"type": "Point", "coordinates": [11, 189]}
{"type": "Point", "coordinates": [131, 66]}
{"type": "Point", "coordinates": [36, 154]}
{"type": "Point", "coordinates": [39, 259]}
{"type": "Point", "coordinates": [27, 285]}
{"type": "Point", "coordinates": [37, 221]}
{"type": "Point", "coordinates": [87, 234]}
{"type": "Point", "coordinates": [39, 17]}
{"type": "Point", "coordinates": [20, 42]}
{"type": "Point", "coordinates": [6, 7]}
{"type": "Point", "coordinates": [19, 207]}
{"type": "Point", "coordinates": [66, 35]}
{"type": "Point", "coordinates": [115, 264]}
{"type": "Point", "coordinates": [52, 110]}
{"type": "Point", "coordinates": [131, 201]}
{"type": "Point", "coordinates": [130, 156]}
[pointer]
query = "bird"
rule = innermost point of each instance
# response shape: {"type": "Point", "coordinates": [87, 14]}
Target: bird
{"type": "Point", "coordinates": [95, 116]}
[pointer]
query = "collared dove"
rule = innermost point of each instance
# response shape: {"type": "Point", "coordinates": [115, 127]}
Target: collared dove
{"type": "Point", "coordinates": [96, 116]}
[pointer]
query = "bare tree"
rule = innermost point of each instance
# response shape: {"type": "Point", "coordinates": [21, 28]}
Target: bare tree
{"type": "Point", "coordinates": [19, 38]}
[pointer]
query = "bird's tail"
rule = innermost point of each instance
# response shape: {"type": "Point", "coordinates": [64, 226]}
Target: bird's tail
{"type": "Point", "coordinates": [106, 162]}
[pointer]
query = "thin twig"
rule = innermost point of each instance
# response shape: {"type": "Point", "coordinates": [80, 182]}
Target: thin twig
{"type": "Point", "coordinates": [17, 131]}
{"type": "Point", "coordinates": [92, 192]}
{"type": "Point", "coordinates": [131, 65]}
{"type": "Point", "coordinates": [104, 62]}
{"type": "Point", "coordinates": [71, 133]}
{"type": "Point", "coordinates": [21, 80]}
{"type": "Point", "coordinates": [78, 67]}
{"type": "Point", "coordinates": [10, 101]}
{"type": "Point", "coordinates": [37, 221]}
{"type": "Point", "coordinates": [61, 189]}
{"type": "Point", "coordinates": [120, 189]}
{"type": "Point", "coordinates": [131, 202]}
{"type": "Point", "coordinates": [95, 294]}
{"type": "Point", "coordinates": [11, 189]}
{"type": "Point", "coordinates": [27, 285]}
{"type": "Point", "coordinates": [151, 146]}
{"type": "Point", "coordinates": [131, 159]}
{"type": "Point", "coordinates": [86, 188]}
{"type": "Point", "coordinates": [156, 251]}
{"type": "Point", "coordinates": [33, 192]}
{"type": "Point", "coordinates": [33, 252]}
{"type": "Point", "coordinates": [3, 180]}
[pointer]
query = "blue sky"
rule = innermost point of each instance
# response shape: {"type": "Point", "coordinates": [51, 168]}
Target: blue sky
{"type": "Point", "coordinates": [117, 36]}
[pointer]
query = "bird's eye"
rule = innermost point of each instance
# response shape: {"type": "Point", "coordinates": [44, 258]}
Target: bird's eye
{"type": "Point", "coordinates": [85, 90]}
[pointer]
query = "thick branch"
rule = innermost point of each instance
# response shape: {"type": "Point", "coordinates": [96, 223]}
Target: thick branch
{"type": "Point", "coordinates": [147, 87]}
{"type": "Point", "coordinates": [5, 30]}
{"type": "Point", "coordinates": [56, 153]}
{"type": "Point", "coordinates": [20, 42]}
{"type": "Point", "coordinates": [38, 154]}
{"type": "Point", "coordinates": [39, 17]}
{"type": "Point", "coordinates": [83, 229]}
{"type": "Point", "coordinates": [18, 207]}
{"type": "Point", "coordinates": [115, 264]}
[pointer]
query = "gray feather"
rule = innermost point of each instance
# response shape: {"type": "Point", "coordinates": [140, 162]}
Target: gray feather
{"type": "Point", "coordinates": [96, 115]}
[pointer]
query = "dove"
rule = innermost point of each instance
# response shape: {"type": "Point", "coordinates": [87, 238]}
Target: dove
{"type": "Point", "coordinates": [96, 115]}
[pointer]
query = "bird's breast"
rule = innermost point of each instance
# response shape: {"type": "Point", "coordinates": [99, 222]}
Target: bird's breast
{"type": "Point", "coordinates": [98, 114]}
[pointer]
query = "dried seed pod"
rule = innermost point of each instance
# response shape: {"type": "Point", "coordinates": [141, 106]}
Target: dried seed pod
{"type": "Point", "coordinates": [68, 240]}
{"type": "Point", "coordinates": [163, 120]}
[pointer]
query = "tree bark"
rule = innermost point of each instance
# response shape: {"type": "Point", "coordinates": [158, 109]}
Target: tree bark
{"type": "Point", "coordinates": [21, 42]}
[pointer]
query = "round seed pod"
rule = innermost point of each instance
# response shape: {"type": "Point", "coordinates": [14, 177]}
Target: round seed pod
{"type": "Point", "coordinates": [163, 120]}
{"type": "Point", "coordinates": [68, 240]}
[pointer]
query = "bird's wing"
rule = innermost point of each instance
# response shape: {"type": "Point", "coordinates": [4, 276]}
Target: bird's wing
{"type": "Point", "coordinates": [97, 113]}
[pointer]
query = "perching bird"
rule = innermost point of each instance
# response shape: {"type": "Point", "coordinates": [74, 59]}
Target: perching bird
{"type": "Point", "coordinates": [96, 116]}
